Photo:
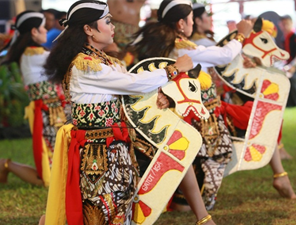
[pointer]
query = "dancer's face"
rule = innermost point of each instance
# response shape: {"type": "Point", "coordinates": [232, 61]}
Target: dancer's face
{"type": "Point", "coordinates": [205, 22]}
{"type": "Point", "coordinates": [188, 25]}
{"type": "Point", "coordinates": [103, 35]}
{"type": "Point", "coordinates": [39, 35]}
{"type": "Point", "coordinates": [286, 25]}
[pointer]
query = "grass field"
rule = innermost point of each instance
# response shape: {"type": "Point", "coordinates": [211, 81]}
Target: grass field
{"type": "Point", "coordinates": [245, 198]}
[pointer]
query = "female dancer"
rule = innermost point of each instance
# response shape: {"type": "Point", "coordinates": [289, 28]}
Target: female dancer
{"type": "Point", "coordinates": [99, 183]}
{"type": "Point", "coordinates": [202, 34]}
{"type": "Point", "coordinates": [168, 37]}
{"type": "Point", "coordinates": [45, 112]}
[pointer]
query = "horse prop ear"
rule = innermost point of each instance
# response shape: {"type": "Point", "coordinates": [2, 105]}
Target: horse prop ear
{"type": "Point", "coordinates": [193, 73]}
{"type": "Point", "coordinates": [258, 24]}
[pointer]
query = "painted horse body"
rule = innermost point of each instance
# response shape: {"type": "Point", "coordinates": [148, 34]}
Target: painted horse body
{"type": "Point", "coordinates": [268, 87]}
{"type": "Point", "coordinates": [177, 141]}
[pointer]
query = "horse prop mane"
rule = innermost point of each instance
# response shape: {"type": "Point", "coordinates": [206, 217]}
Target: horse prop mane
{"type": "Point", "coordinates": [177, 141]}
{"type": "Point", "coordinates": [269, 88]}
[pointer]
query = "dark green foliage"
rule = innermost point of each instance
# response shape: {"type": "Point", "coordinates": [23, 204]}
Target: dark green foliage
{"type": "Point", "coordinates": [13, 97]}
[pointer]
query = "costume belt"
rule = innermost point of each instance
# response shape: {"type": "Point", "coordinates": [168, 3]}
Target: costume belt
{"type": "Point", "coordinates": [212, 104]}
{"type": "Point", "coordinates": [99, 133]}
{"type": "Point", "coordinates": [57, 115]}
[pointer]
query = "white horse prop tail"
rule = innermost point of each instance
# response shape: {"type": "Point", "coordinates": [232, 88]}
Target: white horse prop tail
{"type": "Point", "coordinates": [269, 89]}
{"type": "Point", "coordinates": [177, 141]}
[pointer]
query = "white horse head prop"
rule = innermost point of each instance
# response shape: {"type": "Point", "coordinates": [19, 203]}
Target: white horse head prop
{"type": "Point", "coordinates": [185, 91]}
{"type": "Point", "coordinates": [267, 87]}
{"type": "Point", "coordinates": [260, 44]}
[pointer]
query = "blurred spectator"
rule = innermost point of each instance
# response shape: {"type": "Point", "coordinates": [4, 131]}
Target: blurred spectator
{"type": "Point", "coordinates": [50, 18]}
{"type": "Point", "coordinates": [126, 18]}
{"type": "Point", "coordinates": [286, 26]}
{"type": "Point", "coordinates": [231, 24]}
{"type": "Point", "coordinates": [202, 34]}
{"type": "Point", "coordinates": [289, 43]}
{"type": "Point", "coordinates": [55, 28]}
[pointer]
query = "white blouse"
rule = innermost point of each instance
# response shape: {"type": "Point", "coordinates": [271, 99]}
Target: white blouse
{"type": "Point", "coordinates": [100, 86]}
{"type": "Point", "coordinates": [210, 56]}
{"type": "Point", "coordinates": [31, 67]}
{"type": "Point", "coordinates": [204, 42]}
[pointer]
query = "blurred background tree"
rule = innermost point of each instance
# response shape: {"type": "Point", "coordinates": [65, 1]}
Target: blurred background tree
{"type": "Point", "coordinates": [13, 100]}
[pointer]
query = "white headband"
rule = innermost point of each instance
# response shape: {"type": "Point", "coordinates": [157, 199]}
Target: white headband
{"type": "Point", "coordinates": [81, 6]}
{"type": "Point", "coordinates": [92, 6]}
{"type": "Point", "coordinates": [198, 5]}
{"type": "Point", "coordinates": [174, 3]}
{"type": "Point", "coordinates": [22, 19]}
{"type": "Point", "coordinates": [26, 16]}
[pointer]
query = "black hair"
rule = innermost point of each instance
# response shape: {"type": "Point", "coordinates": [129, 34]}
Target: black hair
{"type": "Point", "coordinates": [71, 42]}
{"type": "Point", "coordinates": [54, 12]}
{"type": "Point", "coordinates": [60, 15]}
{"type": "Point", "coordinates": [286, 17]}
{"type": "Point", "coordinates": [16, 50]}
{"type": "Point", "coordinates": [159, 37]}
{"type": "Point", "coordinates": [65, 50]}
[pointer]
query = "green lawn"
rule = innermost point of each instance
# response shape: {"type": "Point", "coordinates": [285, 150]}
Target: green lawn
{"type": "Point", "coordinates": [245, 198]}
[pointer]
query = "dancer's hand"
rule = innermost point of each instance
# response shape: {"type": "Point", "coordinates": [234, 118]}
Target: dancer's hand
{"type": "Point", "coordinates": [184, 63]}
{"type": "Point", "coordinates": [245, 27]}
{"type": "Point", "coordinates": [251, 62]}
{"type": "Point", "coordinates": [248, 63]}
{"type": "Point", "coordinates": [162, 101]}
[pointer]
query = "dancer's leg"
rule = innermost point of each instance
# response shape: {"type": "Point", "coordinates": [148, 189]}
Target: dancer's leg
{"type": "Point", "coordinates": [284, 155]}
{"type": "Point", "coordinates": [3, 171]}
{"type": "Point", "coordinates": [191, 191]}
{"type": "Point", "coordinates": [281, 181]}
{"type": "Point", "coordinates": [24, 172]}
{"type": "Point", "coordinates": [42, 220]}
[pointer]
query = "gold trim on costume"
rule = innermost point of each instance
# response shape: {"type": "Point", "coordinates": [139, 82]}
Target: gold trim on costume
{"type": "Point", "coordinates": [34, 51]}
{"type": "Point", "coordinates": [57, 115]}
{"type": "Point", "coordinates": [86, 63]}
{"type": "Point", "coordinates": [184, 43]}
{"type": "Point", "coordinates": [98, 54]}
{"type": "Point", "coordinates": [212, 104]}
{"type": "Point", "coordinates": [197, 36]}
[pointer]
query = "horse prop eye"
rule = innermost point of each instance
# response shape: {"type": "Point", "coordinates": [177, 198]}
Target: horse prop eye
{"type": "Point", "coordinates": [192, 87]}
{"type": "Point", "coordinates": [264, 40]}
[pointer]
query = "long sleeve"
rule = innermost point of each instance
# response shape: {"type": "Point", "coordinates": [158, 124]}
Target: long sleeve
{"type": "Point", "coordinates": [91, 86]}
{"type": "Point", "coordinates": [212, 56]}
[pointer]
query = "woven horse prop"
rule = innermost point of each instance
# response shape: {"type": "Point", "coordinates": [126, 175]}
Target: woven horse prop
{"type": "Point", "coordinates": [268, 87]}
{"type": "Point", "coordinates": [177, 141]}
